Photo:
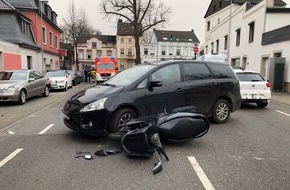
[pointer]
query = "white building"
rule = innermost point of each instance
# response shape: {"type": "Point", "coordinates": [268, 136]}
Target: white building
{"type": "Point", "coordinates": [167, 45]}
{"type": "Point", "coordinates": [259, 32]}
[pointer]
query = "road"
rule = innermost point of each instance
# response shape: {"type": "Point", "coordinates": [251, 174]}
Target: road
{"type": "Point", "coordinates": [250, 151]}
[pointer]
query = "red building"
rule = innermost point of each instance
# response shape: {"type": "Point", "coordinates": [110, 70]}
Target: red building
{"type": "Point", "coordinates": [34, 24]}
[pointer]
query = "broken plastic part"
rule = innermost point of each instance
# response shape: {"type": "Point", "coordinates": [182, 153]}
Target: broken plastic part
{"type": "Point", "coordinates": [106, 152]}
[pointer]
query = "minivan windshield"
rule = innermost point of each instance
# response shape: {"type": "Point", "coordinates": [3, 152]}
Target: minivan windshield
{"type": "Point", "coordinates": [103, 66]}
{"type": "Point", "coordinates": [129, 75]}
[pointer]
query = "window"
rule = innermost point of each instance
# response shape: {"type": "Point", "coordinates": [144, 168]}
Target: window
{"type": "Point", "coordinates": [43, 35]}
{"type": "Point", "coordinates": [25, 28]}
{"type": "Point", "coordinates": [50, 39]}
{"type": "Point", "coordinates": [212, 47]}
{"type": "Point", "coordinates": [217, 45]}
{"type": "Point", "coordinates": [130, 51]}
{"type": "Point", "coordinates": [99, 53]}
{"type": "Point", "coordinates": [163, 50]}
{"type": "Point", "coordinates": [168, 74]}
{"type": "Point", "coordinates": [196, 71]}
{"type": "Point", "coordinates": [226, 43]}
{"type": "Point", "coordinates": [178, 51]}
{"type": "Point", "coordinates": [145, 51]}
{"type": "Point", "coordinates": [221, 71]}
{"type": "Point", "coordinates": [56, 42]}
{"type": "Point", "coordinates": [89, 54]}
{"type": "Point", "coordinates": [185, 51]}
{"type": "Point", "coordinates": [94, 45]}
{"type": "Point", "coordinates": [109, 52]}
{"type": "Point", "coordinates": [122, 51]}
{"type": "Point", "coordinates": [130, 40]}
{"type": "Point", "coordinates": [213, 7]}
{"type": "Point", "coordinates": [251, 31]}
{"type": "Point", "coordinates": [152, 50]}
{"type": "Point", "coordinates": [170, 50]}
{"type": "Point", "coordinates": [29, 62]}
{"type": "Point", "coordinates": [122, 40]}
{"type": "Point", "coordinates": [220, 4]}
{"type": "Point", "coordinates": [208, 25]}
{"type": "Point", "coordinates": [238, 37]}
{"type": "Point", "coordinates": [206, 49]}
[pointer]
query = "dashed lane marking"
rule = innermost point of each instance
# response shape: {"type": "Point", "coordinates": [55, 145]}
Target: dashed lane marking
{"type": "Point", "coordinates": [200, 173]}
{"type": "Point", "coordinates": [282, 113]}
{"type": "Point", "coordinates": [46, 129]}
{"type": "Point", "coordinates": [12, 155]}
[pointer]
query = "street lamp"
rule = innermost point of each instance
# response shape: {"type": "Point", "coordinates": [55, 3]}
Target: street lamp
{"type": "Point", "coordinates": [41, 10]}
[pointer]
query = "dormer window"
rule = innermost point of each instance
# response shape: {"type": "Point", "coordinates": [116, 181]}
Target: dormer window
{"type": "Point", "coordinates": [165, 38]}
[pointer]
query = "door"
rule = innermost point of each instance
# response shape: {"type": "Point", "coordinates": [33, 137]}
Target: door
{"type": "Point", "coordinates": [168, 96]}
{"type": "Point", "coordinates": [200, 87]}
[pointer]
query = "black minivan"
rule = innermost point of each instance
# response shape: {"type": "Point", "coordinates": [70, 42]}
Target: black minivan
{"type": "Point", "coordinates": [151, 88]}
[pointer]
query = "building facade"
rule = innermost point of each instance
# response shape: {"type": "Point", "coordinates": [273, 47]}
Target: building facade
{"type": "Point", "coordinates": [31, 25]}
{"type": "Point", "coordinates": [249, 33]}
{"type": "Point", "coordinates": [96, 46]}
{"type": "Point", "coordinates": [168, 45]}
{"type": "Point", "coordinates": [126, 51]}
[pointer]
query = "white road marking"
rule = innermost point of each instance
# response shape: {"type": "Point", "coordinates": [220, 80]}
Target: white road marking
{"type": "Point", "coordinates": [282, 113]}
{"type": "Point", "coordinates": [200, 173]}
{"type": "Point", "coordinates": [12, 155]}
{"type": "Point", "coordinates": [46, 129]}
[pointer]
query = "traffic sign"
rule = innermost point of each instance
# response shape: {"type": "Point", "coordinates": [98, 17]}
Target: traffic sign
{"type": "Point", "coordinates": [195, 49]}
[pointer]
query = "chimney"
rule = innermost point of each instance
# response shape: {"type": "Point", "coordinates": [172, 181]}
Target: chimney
{"type": "Point", "coordinates": [192, 30]}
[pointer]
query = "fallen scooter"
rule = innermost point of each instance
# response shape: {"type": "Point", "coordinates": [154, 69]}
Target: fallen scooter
{"type": "Point", "coordinates": [141, 137]}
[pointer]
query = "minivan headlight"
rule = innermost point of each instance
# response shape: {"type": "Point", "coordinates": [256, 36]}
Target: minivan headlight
{"type": "Point", "coordinates": [96, 105]}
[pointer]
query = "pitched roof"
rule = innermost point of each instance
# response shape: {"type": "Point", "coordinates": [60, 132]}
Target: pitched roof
{"type": "Point", "coordinates": [275, 36]}
{"type": "Point", "coordinates": [125, 29]}
{"type": "Point", "coordinates": [29, 4]}
{"type": "Point", "coordinates": [11, 30]}
{"type": "Point", "coordinates": [106, 39]}
{"type": "Point", "coordinates": [5, 6]}
{"type": "Point", "coordinates": [177, 36]}
{"type": "Point", "coordinates": [217, 5]}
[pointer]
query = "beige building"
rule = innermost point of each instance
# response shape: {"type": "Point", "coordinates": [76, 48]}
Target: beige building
{"type": "Point", "coordinates": [126, 53]}
{"type": "Point", "coordinates": [97, 46]}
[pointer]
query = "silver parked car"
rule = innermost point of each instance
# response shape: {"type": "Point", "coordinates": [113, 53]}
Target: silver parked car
{"type": "Point", "coordinates": [19, 85]}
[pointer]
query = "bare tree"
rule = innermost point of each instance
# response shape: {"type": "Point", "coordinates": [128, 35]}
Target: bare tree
{"type": "Point", "coordinates": [76, 27]}
{"type": "Point", "coordinates": [142, 14]}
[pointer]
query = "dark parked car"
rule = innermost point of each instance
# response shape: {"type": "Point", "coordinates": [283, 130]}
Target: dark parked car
{"type": "Point", "coordinates": [76, 77]}
{"type": "Point", "coordinates": [151, 88]}
{"type": "Point", "coordinates": [18, 85]}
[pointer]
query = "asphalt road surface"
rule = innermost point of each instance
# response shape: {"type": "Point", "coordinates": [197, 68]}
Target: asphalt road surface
{"type": "Point", "coordinates": [37, 151]}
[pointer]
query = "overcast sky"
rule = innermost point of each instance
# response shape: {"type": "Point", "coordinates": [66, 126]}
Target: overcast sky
{"type": "Point", "coordinates": [186, 14]}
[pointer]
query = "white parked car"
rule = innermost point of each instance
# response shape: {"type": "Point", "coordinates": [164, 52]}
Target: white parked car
{"type": "Point", "coordinates": [254, 88]}
{"type": "Point", "coordinates": [59, 79]}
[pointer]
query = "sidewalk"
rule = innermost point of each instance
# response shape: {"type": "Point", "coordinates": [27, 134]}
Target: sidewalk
{"type": "Point", "coordinates": [281, 97]}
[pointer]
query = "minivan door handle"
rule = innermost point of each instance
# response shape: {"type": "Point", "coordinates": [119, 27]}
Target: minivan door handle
{"type": "Point", "coordinates": [213, 84]}
{"type": "Point", "coordinates": [179, 90]}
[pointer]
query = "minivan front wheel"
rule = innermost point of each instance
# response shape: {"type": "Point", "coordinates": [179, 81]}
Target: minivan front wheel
{"type": "Point", "coordinates": [120, 118]}
{"type": "Point", "coordinates": [221, 111]}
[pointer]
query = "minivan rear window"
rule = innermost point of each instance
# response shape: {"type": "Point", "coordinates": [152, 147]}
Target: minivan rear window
{"type": "Point", "coordinates": [221, 70]}
{"type": "Point", "coordinates": [196, 71]}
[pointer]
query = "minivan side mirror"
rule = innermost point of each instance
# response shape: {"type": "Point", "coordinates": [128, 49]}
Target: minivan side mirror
{"type": "Point", "coordinates": [155, 83]}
